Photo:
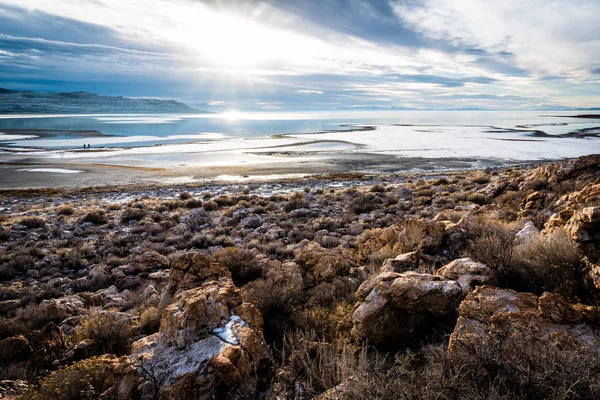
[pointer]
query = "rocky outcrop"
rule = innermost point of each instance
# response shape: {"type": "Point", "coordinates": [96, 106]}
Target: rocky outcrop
{"type": "Point", "coordinates": [506, 320]}
{"type": "Point", "coordinates": [584, 225]}
{"type": "Point", "coordinates": [208, 338]}
{"type": "Point", "coordinates": [467, 273]}
{"type": "Point", "coordinates": [401, 263]}
{"type": "Point", "coordinates": [394, 307]}
{"type": "Point", "coordinates": [16, 348]}
{"type": "Point", "coordinates": [323, 264]}
{"type": "Point", "coordinates": [190, 270]}
{"type": "Point", "coordinates": [558, 172]}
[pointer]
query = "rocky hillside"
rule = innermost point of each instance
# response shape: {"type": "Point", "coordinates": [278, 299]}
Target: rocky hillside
{"type": "Point", "coordinates": [482, 284]}
{"type": "Point", "coordinates": [28, 102]}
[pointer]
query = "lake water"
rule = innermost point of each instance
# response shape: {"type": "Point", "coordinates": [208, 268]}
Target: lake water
{"type": "Point", "coordinates": [253, 138]}
{"type": "Point", "coordinates": [144, 130]}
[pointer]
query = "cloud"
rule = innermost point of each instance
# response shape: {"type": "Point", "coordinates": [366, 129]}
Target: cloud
{"type": "Point", "coordinates": [341, 52]}
{"type": "Point", "coordinates": [306, 91]}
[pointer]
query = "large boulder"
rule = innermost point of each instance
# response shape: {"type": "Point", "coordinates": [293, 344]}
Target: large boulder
{"type": "Point", "coordinates": [208, 338]}
{"type": "Point", "coordinates": [467, 273]}
{"type": "Point", "coordinates": [504, 321]}
{"type": "Point", "coordinates": [190, 270]}
{"type": "Point", "coordinates": [584, 225]}
{"type": "Point", "coordinates": [393, 307]}
{"type": "Point", "coordinates": [16, 348]}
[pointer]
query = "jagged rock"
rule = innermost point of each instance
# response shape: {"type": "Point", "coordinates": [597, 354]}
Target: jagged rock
{"type": "Point", "coordinates": [69, 305]}
{"type": "Point", "coordinates": [84, 349]}
{"type": "Point", "coordinates": [493, 189]}
{"type": "Point", "coordinates": [11, 389]}
{"type": "Point", "coordinates": [402, 263]}
{"type": "Point", "coordinates": [560, 171]}
{"type": "Point", "coordinates": [393, 306]}
{"type": "Point", "coordinates": [207, 335]}
{"type": "Point", "coordinates": [16, 348]}
{"type": "Point", "coordinates": [323, 264]}
{"type": "Point", "coordinates": [151, 261]}
{"type": "Point", "coordinates": [527, 234]}
{"type": "Point", "coordinates": [190, 270]}
{"type": "Point", "coordinates": [584, 225]}
{"type": "Point", "coordinates": [587, 195]}
{"type": "Point", "coordinates": [467, 273]}
{"type": "Point", "coordinates": [502, 317]}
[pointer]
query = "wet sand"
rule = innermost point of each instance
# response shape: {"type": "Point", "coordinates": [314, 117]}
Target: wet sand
{"type": "Point", "coordinates": [12, 176]}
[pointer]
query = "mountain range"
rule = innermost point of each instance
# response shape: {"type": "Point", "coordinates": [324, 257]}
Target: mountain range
{"type": "Point", "coordinates": [29, 102]}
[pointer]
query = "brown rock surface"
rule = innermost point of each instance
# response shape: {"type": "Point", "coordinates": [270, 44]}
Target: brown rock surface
{"type": "Point", "coordinates": [489, 313]}
{"type": "Point", "coordinates": [207, 335]}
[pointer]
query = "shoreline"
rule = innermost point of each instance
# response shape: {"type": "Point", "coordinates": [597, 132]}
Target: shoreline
{"type": "Point", "coordinates": [316, 171]}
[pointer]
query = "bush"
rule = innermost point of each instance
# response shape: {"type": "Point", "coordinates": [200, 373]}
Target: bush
{"type": "Point", "coordinates": [150, 320]}
{"type": "Point", "coordinates": [33, 222]}
{"type": "Point", "coordinates": [210, 206]}
{"type": "Point", "coordinates": [86, 379]}
{"type": "Point", "coordinates": [491, 242]}
{"type": "Point", "coordinates": [112, 331]}
{"type": "Point", "coordinates": [551, 263]}
{"type": "Point", "coordinates": [365, 203]}
{"type": "Point", "coordinates": [65, 210]}
{"type": "Point", "coordinates": [132, 214]}
{"type": "Point", "coordinates": [242, 264]}
{"type": "Point", "coordinates": [95, 217]}
{"type": "Point", "coordinates": [185, 195]}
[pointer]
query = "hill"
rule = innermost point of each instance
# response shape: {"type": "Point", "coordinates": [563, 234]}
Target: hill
{"type": "Point", "coordinates": [29, 102]}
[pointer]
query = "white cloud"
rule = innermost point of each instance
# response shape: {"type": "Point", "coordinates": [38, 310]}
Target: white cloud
{"type": "Point", "coordinates": [545, 36]}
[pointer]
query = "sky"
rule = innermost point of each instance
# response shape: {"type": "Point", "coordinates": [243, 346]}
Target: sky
{"type": "Point", "coordinates": [309, 54]}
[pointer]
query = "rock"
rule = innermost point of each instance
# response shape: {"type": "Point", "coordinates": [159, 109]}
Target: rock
{"type": "Point", "coordinates": [196, 219]}
{"type": "Point", "coordinates": [560, 171]}
{"type": "Point", "coordinates": [527, 234]}
{"type": "Point", "coordinates": [584, 225]}
{"type": "Point", "coordinates": [190, 270]}
{"type": "Point", "coordinates": [11, 389]}
{"type": "Point", "coordinates": [507, 320]}
{"type": "Point", "coordinates": [467, 273]}
{"type": "Point", "coordinates": [324, 264]}
{"type": "Point", "coordinates": [356, 229]}
{"type": "Point", "coordinates": [494, 189]}
{"type": "Point", "coordinates": [252, 222]}
{"type": "Point", "coordinates": [84, 349]}
{"type": "Point", "coordinates": [402, 263]}
{"type": "Point", "coordinates": [394, 307]}
{"type": "Point", "coordinates": [208, 336]}
{"type": "Point", "coordinates": [68, 305]}
{"type": "Point", "coordinates": [151, 261]}
{"type": "Point", "coordinates": [16, 348]}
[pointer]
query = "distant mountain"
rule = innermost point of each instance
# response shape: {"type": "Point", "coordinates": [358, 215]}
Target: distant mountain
{"type": "Point", "coordinates": [28, 102]}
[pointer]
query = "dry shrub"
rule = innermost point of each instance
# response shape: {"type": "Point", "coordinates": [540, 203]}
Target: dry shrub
{"type": "Point", "coordinates": [132, 214]}
{"type": "Point", "coordinates": [150, 320]}
{"type": "Point", "coordinates": [112, 331]}
{"type": "Point", "coordinates": [491, 242]}
{"type": "Point", "coordinates": [33, 222]}
{"type": "Point", "coordinates": [242, 264]}
{"type": "Point", "coordinates": [96, 217]}
{"type": "Point", "coordinates": [85, 380]}
{"type": "Point", "coordinates": [365, 203]}
{"type": "Point", "coordinates": [318, 366]}
{"type": "Point", "coordinates": [210, 205]}
{"type": "Point", "coordinates": [551, 263]}
{"type": "Point", "coordinates": [65, 210]}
